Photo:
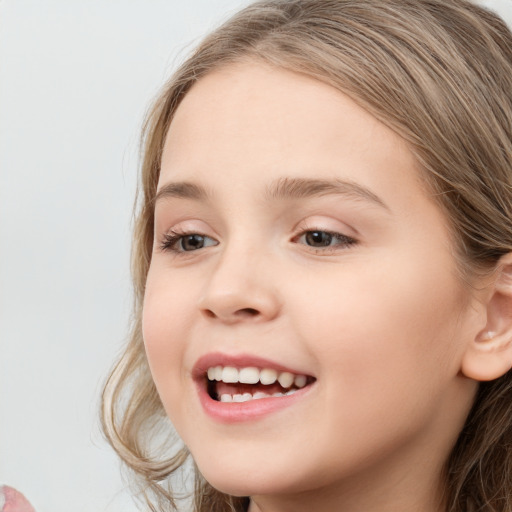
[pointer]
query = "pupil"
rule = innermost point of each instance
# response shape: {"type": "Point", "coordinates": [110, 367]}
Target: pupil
{"type": "Point", "coordinates": [318, 238]}
{"type": "Point", "coordinates": [191, 242]}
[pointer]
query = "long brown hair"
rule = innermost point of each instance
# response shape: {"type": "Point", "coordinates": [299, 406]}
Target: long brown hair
{"type": "Point", "coordinates": [438, 73]}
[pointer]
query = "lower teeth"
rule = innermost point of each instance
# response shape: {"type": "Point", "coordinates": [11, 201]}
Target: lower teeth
{"type": "Point", "coordinates": [246, 397]}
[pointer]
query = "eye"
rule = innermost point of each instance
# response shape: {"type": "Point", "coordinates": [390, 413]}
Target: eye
{"type": "Point", "coordinates": [185, 242]}
{"type": "Point", "coordinates": [321, 239]}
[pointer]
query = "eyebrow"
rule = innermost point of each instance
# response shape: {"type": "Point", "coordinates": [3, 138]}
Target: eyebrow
{"type": "Point", "coordinates": [283, 188]}
{"type": "Point", "coordinates": [182, 190]}
{"type": "Point", "coordinates": [300, 188]}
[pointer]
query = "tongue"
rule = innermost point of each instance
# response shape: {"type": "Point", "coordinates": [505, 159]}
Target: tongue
{"type": "Point", "coordinates": [239, 389]}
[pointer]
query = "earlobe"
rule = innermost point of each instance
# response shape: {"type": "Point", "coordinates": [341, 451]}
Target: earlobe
{"type": "Point", "coordinates": [489, 355]}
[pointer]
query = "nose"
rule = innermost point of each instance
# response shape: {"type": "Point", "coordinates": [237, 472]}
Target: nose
{"type": "Point", "coordinates": [240, 289]}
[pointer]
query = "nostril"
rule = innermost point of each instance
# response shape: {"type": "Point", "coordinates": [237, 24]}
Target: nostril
{"type": "Point", "coordinates": [239, 313]}
{"type": "Point", "coordinates": [248, 312]}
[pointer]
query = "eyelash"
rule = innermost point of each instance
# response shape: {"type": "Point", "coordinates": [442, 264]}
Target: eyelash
{"type": "Point", "coordinates": [344, 241]}
{"type": "Point", "coordinates": [174, 237]}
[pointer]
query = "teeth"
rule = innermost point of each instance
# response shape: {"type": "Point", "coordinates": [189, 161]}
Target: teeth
{"type": "Point", "coordinates": [249, 375]}
{"type": "Point", "coordinates": [286, 379]}
{"type": "Point", "coordinates": [268, 377]}
{"type": "Point", "coordinates": [253, 375]}
{"type": "Point", "coordinates": [229, 374]}
{"type": "Point", "coordinates": [246, 397]}
{"type": "Point", "coordinates": [300, 381]}
{"type": "Point", "coordinates": [242, 398]}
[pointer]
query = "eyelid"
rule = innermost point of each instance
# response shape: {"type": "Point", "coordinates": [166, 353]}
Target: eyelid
{"type": "Point", "coordinates": [172, 239]}
{"type": "Point", "coordinates": [174, 236]}
{"type": "Point", "coordinates": [330, 222]}
{"type": "Point", "coordinates": [335, 234]}
{"type": "Point", "coordinates": [345, 241]}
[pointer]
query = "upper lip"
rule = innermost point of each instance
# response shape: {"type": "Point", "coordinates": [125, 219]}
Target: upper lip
{"type": "Point", "coordinates": [238, 361]}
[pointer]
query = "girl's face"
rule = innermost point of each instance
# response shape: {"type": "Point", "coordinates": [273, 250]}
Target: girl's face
{"type": "Point", "coordinates": [294, 240]}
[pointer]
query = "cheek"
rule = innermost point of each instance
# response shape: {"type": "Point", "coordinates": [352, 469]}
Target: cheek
{"type": "Point", "coordinates": [384, 340]}
{"type": "Point", "coordinates": [389, 330]}
{"type": "Point", "coordinates": [164, 326]}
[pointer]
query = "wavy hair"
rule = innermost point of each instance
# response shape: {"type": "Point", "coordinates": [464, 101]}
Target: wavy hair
{"type": "Point", "coordinates": [438, 73]}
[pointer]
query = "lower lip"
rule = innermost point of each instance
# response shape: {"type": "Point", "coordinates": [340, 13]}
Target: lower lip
{"type": "Point", "coordinates": [235, 412]}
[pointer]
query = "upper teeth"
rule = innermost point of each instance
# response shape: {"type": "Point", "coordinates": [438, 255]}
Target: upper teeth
{"type": "Point", "coordinates": [253, 375]}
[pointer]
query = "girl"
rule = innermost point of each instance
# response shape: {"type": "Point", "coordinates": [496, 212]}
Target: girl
{"type": "Point", "coordinates": [323, 265]}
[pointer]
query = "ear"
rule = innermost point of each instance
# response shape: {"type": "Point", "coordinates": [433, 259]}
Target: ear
{"type": "Point", "coordinates": [489, 354]}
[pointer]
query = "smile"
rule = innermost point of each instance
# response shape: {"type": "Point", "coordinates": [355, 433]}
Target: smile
{"type": "Point", "coordinates": [242, 387]}
{"type": "Point", "coordinates": [231, 384]}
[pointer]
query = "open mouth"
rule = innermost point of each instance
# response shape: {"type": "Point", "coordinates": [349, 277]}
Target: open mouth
{"type": "Point", "coordinates": [230, 384]}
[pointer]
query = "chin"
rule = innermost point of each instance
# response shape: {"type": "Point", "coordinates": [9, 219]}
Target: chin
{"type": "Point", "coordinates": [246, 480]}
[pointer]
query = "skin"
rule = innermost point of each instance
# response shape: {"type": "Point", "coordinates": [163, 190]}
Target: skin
{"type": "Point", "coordinates": [383, 324]}
{"type": "Point", "coordinates": [12, 500]}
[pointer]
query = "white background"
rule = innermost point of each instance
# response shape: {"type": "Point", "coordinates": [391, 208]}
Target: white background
{"type": "Point", "coordinates": [75, 79]}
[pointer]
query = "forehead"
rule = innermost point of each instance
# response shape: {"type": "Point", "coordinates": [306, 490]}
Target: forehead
{"type": "Point", "coordinates": [254, 98]}
{"type": "Point", "coordinates": [251, 123]}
